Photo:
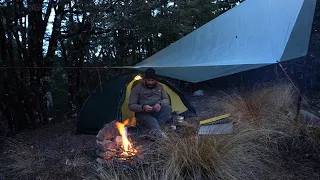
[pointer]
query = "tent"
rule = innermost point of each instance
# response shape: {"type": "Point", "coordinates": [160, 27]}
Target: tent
{"type": "Point", "coordinates": [253, 34]}
{"type": "Point", "coordinates": [110, 102]}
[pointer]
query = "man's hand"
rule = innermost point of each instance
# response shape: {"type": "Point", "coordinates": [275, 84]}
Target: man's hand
{"type": "Point", "coordinates": [147, 108]}
{"type": "Point", "coordinates": [157, 107]}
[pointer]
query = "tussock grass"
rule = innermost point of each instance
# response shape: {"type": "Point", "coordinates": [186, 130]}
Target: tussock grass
{"type": "Point", "coordinates": [259, 107]}
{"type": "Point", "coordinates": [242, 155]}
{"type": "Point", "coordinates": [265, 144]}
{"type": "Point", "coordinates": [22, 159]}
{"type": "Point", "coordinates": [44, 177]}
{"type": "Point", "coordinates": [267, 107]}
{"type": "Point", "coordinates": [106, 173]}
{"type": "Point", "coordinates": [77, 161]}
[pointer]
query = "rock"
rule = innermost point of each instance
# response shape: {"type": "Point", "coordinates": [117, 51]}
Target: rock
{"type": "Point", "coordinates": [105, 155]}
{"type": "Point", "coordinates": [118, 139]}
{"type": "Point", "coordinates": [109, 131]}
{"type": "Point", "coordinates": [106, 145]}
{"type": "Point", "coordinates": [198, 93]}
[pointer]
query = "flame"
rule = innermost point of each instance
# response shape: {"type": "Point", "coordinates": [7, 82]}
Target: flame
{"type": "Point", "coordinates": [126, 144]}
{"type": "Point", "coordinates": [130, 122]}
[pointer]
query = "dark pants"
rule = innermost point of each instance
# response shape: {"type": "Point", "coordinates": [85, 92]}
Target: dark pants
{"type": "Point", "coordinates": [153, 120]}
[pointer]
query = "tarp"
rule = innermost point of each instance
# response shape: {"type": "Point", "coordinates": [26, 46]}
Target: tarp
{"type": "Point", "coordinates": [253, 34]}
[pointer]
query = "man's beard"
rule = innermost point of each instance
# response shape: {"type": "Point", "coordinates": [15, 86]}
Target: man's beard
{"type": "Point", "coordinates": [150, 86]}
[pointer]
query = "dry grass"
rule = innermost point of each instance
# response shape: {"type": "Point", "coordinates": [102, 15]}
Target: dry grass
{"type": "Point", "coordinates": [102, 173]}
{"type": "Point", "coordinates": [77, 161]}
{"type": "Point", "coordinates": [267, 107]}
{"type": "Point", "coordinates": [44, 177]}
{"type": "Point", "coordinates": [241, 155]}
{"type": "Point", "coordinates": [263, 103]}
{"type": "Point", "coordinates": [265, 143]}
{"type": "Point", "coordinates": [22, 159]}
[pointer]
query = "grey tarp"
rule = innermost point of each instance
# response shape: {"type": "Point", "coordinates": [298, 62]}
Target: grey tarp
{"type": "Point", "coordinates": [253, 34]}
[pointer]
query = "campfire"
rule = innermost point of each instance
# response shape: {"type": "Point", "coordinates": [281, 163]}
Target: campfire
{"type": "Point", "coordinates": [116, 147]}
{"type": "Point", "coordinates": [127, 149]}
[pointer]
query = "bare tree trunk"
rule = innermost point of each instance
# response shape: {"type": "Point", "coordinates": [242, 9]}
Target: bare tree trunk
{"type": "Point", "coordinates": [5, 118]}
{"type": "Point", "coordinates": [35, 57]}
{"type": "Point", "coordinates": [3, 47]}
{"type": "Point", "coordinates": [49, 59]}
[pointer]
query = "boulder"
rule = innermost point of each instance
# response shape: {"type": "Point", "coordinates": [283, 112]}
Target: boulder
{"type": "Point", "coordinates": [198, 93]}
{"type": "Point", "coordinates": [109, 131]}
{"type": "Point", "coordinates": [118, 139]}
{"type": "Point", "coordinates": [106, 145]}
{"type": "Point", "coordinates": [105, 155]}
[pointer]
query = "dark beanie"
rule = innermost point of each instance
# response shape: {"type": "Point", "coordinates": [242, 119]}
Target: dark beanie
{"type": "Point", "coordinates": [150, 74]}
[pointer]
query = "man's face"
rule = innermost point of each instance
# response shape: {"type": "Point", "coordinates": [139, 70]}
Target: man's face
{"type": "Point", "coordinates": [150, 83]}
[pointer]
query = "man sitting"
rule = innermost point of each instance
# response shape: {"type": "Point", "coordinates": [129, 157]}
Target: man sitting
{"type": "Point", "coordinates": [150, 103]}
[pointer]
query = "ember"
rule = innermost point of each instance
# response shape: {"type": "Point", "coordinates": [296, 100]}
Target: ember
{"type": "Point", "coordinates": [119, 147]}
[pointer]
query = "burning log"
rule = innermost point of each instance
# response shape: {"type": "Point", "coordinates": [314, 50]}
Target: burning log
{"type": "Point", "coordinates": [118, 148]}
{"type": "Point", "coordinates": [126, 144]}
{"type": "Point", "coordinates": [110, 150]}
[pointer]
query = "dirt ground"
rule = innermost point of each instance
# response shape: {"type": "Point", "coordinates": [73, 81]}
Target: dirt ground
{"type": "Point", "coordinates": [54, 152]}
{"type": "Point", "coordinates": [58, 152]}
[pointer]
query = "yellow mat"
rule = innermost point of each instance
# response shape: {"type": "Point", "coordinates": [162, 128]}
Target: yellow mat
{"type": "Point", "coordinates": [214, 119]}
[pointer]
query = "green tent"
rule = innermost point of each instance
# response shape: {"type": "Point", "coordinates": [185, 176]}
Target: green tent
{"type": "Point", "coordinates": [110, 102]}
